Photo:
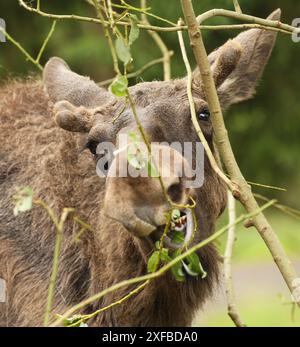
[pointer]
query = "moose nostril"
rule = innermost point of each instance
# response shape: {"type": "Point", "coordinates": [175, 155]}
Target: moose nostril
{"type": "Point", "coordinates": [175, 192]}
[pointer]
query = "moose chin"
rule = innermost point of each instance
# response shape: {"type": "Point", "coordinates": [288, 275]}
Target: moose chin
{"type": "Point", "coordinates": [43, 127]}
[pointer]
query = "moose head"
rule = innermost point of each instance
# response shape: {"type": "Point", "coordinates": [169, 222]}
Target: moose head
{"type": "Point", "coordinates": [139, 203]}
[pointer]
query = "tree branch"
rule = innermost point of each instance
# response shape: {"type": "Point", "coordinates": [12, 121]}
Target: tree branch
{"type": "Point", "coordinates": [86, 317]}
{"type": "Point", "coordinates": [243, 191]}
{"type": "Point", "coordinates": [197, 127]}
{"type": "Point", "coordinates": [22, 50]}
{"type": "Point", "coordinates": [57, 249]}
{"type": "Point", "coordinates": [135, 73]}
{"type": "Point", "coordinates": [276, 24]}
{"type": "Point", "coordinates": [48, 37]}
{"type": "Point", "coordinates": [287, 28]}
{"type": "Point", "coordinates": [229, 289]}
{"type": "Point", "coordinates": [237, 6]}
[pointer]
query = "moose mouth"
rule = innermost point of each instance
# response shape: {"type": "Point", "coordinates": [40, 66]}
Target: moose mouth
{"type": "Point", "coordinates": [184, 224]}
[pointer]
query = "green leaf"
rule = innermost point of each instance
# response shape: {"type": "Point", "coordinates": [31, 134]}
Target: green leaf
{"type": "Point", "coordinates": [177, 272]}
{"type": "Point", "coordinates": [119, 86]}
{"type": "Point", "coordinates": [153, 261]}
{"type": "Point", "coordinates": [135, 160]}
{"type": "Point", "coordinates": [194, 260]}
{"type": "Point", "coordinates": [134, 137]}
{"type": "Point", "coordinates": [123, 50]}
{"type": "Point", "coordinates": [135, 30]}
{"type": "Point", "coordinates": [23, 200]}
{"type": "Point", "coordinates": [195, 265]}
{"type": "Point", "coordinates": [178, 237]}
{"type": "Point", "coordinates": [175, 214]}
{"type": "Point", "coordinates": [176, 269]}
{"type": "Point", "coordinates": [164, 256]}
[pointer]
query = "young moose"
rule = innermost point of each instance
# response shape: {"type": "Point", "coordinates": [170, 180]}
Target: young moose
{"type": "Point", "coordinates": [41, 147]}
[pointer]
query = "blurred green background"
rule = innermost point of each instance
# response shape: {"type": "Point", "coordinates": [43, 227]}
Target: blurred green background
{"type": "Point", "coordinates": [264, 131]}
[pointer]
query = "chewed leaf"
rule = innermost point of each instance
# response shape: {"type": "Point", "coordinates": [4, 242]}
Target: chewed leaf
{"type": "Point", "coordinates": [23, 200]}
{"type": "Point", "coordinates": [177, 272]}
{"type": "Point", "coordinates": [195, 265]}
{"type": "Point", "coordinates": [123, 50]}
{"type": "Point", "coordinates": [178, 237]}
{"type": "Point", "coordinates": [189, 270]}
{"type": "Point", "coordinates": [135, 30]}
{"type": "Point", "coordinates": [153, 261]}
{"type": "Point", "coordinates": [119, 86]}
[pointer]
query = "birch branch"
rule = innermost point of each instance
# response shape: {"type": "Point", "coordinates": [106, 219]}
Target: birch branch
{"type": "Point", "coordinates": [135, 73]}
{"type": "Point", "coordinates": [34, 61]}
{"type": "Point", "coordinates": [48, 37]}
{"type": "Point", "coordinates": [276, 24]}
{"type": "Point", "coordinates": [197, 127]}
{"type": "Point", "coordinates": [21, 49]}
{"type": "Point", "coordinates": [229, 288]}
{"type": "Point", "coordinates": [255, 22]}
{"type": "Point", "coordinates": [237, 6]}
{"type": "Point", "coordinates": [242, 191]}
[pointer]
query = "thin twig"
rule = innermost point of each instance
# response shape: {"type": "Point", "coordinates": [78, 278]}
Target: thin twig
{"type": "Point", "coordinates": [246, 18]}
{"type": "Point", "coordinates": [160, 43]}
{"type": "Point", "coordinates": [283, 208]}
{"type": "Point", "coordinates": [108, 36]}
{"type": "Point", "coordinates": [237, 6]}
{"type": "Point", "coordinates": [23, 50]}
{"type": "Point", "coordinates": [129, 98]}
{"type": "Point", "coordinates": [197, 127]}
{"type": "Point", "coordinates": [84, 318]}
{"type": "Point", "coordinates": [135, 73]}
{"type": "Point", "coordinates": [143, 10]}
{"type": "Point", "coordinates": [243, 193]}
{"type": "Point", "coordinates": [147, 143]}
{"type": "Point", "coordinates": [159, 272]}
{"type": "Point", "coordinates": [288, 29]}
{"type": "Point", "coordinates": [229, 289]}
{"type": "Point", "coordinates": [38, 58]}
{"type": "Point", "coordinates": [36, 61]}
{"type": "Point", "coordinates": [49, 210]}
{"type": "Point", "coordinates": [84, 227]}
{"type": "Point", "coordinates": [57, 249]}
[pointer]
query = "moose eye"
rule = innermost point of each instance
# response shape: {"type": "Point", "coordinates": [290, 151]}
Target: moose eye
{"type": "Point", "coordinates": [92, 146]}
{"type": "Point", "coordinates": [204, 115]}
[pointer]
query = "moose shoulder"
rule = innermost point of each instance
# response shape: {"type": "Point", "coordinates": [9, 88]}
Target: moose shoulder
{"type": "Point", "coordinates": [43, 128]}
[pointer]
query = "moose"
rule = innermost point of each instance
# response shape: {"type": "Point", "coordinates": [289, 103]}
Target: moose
{"type": "Point", "coordinates": [44, 127]}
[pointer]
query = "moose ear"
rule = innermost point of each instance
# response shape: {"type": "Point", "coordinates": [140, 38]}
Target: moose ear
{"type": "Point", "coordinates": [63, 84]}
{"type": "Point", "coordinates": [238, 65]}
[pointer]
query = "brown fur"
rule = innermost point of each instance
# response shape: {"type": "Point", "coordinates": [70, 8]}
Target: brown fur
{"type": "Point", "coordinates": [35, 152]}
{"type": "Point", "coordinates": [62, 176]}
